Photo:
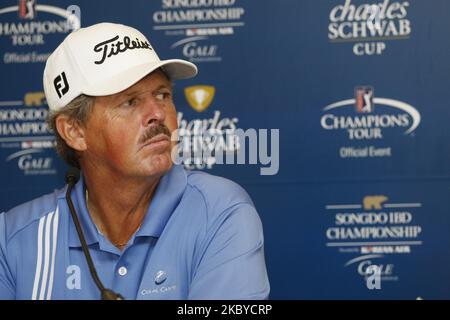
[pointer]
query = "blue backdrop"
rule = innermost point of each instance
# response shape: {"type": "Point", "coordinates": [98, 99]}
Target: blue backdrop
{"type": "Point", "coordinates": [362, 111]}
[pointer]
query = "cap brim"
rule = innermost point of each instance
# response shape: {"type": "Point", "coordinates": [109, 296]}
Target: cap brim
{"type": "Point", "coordinates": [179, 69]}
{"type": "Point", "coordinates": [174, 68]}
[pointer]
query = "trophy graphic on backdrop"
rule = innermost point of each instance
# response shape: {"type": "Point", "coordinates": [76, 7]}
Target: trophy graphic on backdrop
{"type": "Point", "coordinates": [199, 97]}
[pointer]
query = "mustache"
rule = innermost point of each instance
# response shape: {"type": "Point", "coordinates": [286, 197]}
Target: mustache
{"type": "Point", "coordinates": [153, 132]}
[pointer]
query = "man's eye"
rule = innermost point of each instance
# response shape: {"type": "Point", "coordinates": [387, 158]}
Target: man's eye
{"type": "Point", "coordinates": [131, 103]}
{"type": "Point", "coordinates": [161, 96]}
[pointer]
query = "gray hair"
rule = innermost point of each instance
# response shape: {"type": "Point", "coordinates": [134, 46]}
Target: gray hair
{"type": "Point", "coordinates": [79, 110]}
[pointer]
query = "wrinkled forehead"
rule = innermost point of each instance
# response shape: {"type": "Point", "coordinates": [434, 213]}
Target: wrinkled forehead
{"type": "Point", "coordinates": [153, 81]}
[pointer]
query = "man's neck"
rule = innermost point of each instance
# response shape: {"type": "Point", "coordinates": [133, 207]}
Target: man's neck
{"type": "Point", "coordinates": [118, 208]}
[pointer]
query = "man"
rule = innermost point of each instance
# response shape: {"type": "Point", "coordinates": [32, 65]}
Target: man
{"type": "Point", "coordinates": [152, 229]}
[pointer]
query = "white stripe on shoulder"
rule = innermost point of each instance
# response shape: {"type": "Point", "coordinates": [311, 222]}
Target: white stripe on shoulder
{"type": "Point", "coordinates": [54, 244]}
{"type": "Point", "coordinates": [37, 274]}
{"type": "Point", "coordinates": [48, 222]}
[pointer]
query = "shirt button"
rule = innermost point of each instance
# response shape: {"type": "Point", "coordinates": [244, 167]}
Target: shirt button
{"type": "Point", "coordinates": [123, 271]}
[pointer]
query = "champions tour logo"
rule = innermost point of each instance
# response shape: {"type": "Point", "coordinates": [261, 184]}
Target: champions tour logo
{"type": "Point", "coordinates": [367, 117]}
{"type": "Point", "coordinates": [28, 23]}
{"type": "Point", "coordinates": [353, 23]}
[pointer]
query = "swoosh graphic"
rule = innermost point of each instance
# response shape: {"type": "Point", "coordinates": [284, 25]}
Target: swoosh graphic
{"type": "Point", "coordinates": [415, 115]}
{"type": "Point", "coordinates": [9, 9]}
{"type": "Point", "coordinates": [361, 258]}
{"type": "Point", "coordinates": [183, 41]}
{"type": "Point", "coordinates": [22, 153]}
{"type": "Point", "coordinates": [402, 106]}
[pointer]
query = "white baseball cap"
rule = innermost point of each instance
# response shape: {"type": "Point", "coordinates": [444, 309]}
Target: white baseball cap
{"type": "Point", "coordinates": [104, 59]}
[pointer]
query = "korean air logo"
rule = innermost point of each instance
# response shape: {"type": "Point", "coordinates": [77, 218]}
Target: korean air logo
{"type": "Point", "coordinates": [199, 97]}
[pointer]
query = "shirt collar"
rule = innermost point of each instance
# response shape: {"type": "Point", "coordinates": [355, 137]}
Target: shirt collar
{"type": "Point", "coordinates": [165, 199]}
{"type": "Point", "coordinates": [90, 231]}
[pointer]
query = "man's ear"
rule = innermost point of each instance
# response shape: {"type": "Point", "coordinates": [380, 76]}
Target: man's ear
{"type": "Point", "coordinates": [72, 132]}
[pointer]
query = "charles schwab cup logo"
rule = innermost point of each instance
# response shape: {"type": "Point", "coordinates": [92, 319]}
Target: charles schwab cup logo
{"type": "Point", "coordinates": [213, 139]}
{"type": "Point", "coordinates": [217, 131]}
{"type": "Point", "coordinates": [369, 25]}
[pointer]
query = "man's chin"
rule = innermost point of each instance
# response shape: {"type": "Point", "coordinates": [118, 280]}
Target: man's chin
{"type": "Point", "coordinates": [158, 164]}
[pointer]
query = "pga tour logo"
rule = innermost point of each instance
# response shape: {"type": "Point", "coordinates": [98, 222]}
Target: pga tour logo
{"type": "Point", "coordinates": [27, 9]}
{"type": "Point", "coordinates": [364, 99]}
{"type": "Point", "coordinates": [370, 117]}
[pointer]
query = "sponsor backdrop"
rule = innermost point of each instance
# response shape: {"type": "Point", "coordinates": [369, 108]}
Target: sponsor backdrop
{"type": "Point", "coordinates": [361, 105]}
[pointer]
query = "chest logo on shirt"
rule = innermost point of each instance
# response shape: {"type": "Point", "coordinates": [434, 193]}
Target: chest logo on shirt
{"type": "Point", "coordinates": [160, 277]}
{"type": "Point", "coordinates": [74, 277]}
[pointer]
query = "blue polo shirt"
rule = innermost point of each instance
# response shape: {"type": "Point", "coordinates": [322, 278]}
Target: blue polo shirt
{"type": "Point", "coordinates": [200, 239]}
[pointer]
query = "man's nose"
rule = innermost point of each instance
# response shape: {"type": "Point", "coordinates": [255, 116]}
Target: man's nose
{"type": "Point", "coordinates": [153, 111]}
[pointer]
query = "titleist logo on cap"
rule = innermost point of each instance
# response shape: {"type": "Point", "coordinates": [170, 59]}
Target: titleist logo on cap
{"type": "Point", "coordinates": [112, 47]}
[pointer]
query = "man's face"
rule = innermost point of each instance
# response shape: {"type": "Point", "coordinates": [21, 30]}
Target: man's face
{"type": "Point", "coordinates": [128, 133]}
